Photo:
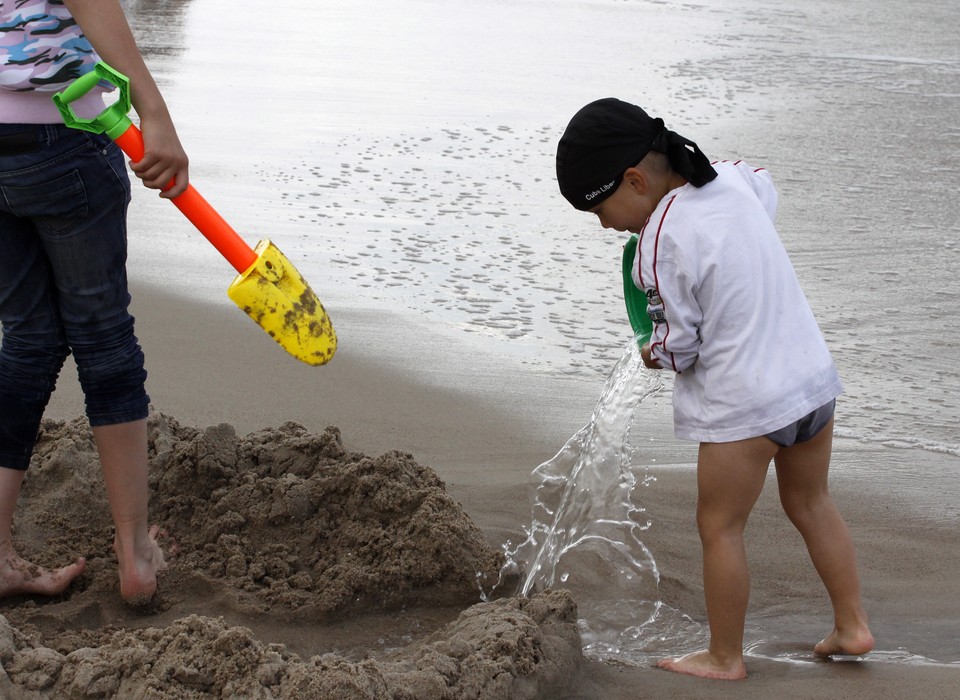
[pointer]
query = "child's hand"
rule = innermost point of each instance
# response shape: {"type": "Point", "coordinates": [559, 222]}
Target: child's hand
{"type": "Point", "coordinates": [106, 28]}
{"type": "Point", "coordinates": [164, 160]}
{"type": "Point", "coordinates": [649, 360]}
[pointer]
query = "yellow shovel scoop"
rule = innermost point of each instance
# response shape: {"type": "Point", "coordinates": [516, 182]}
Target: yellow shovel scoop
{"type": "Point", "coordinates": [268, 289]}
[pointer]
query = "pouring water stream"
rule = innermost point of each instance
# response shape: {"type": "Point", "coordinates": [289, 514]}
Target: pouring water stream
{"type": "Point", "coordinates": [586, 526]}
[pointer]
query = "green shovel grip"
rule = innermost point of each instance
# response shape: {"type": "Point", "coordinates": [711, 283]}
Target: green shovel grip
{"type": "Point", "coordinates": [113, 120]}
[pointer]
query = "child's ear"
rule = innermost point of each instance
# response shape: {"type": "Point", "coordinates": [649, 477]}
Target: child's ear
{"type": "Point", "coordinates": [637, 179]}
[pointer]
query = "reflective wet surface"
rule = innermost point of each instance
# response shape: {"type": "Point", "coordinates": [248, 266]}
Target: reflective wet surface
{"type": "Point", "coordinates": [401, 153]}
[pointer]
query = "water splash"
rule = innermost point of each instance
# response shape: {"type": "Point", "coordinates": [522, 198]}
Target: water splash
{"type": "Point", "coordinates": [586, 527]}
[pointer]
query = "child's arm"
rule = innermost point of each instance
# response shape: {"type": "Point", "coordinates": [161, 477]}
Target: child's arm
{"type": "Point", "coordinates": [107, 30]}
{"type": "Point", "coordinates": [675, 341]}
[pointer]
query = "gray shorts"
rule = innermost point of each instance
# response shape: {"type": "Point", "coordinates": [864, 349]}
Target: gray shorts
{"type": "Point", "coordinates": [805, 428]}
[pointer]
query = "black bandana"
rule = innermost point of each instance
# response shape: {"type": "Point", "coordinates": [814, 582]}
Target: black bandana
{"type": "Point", "coordinates": [608, 136]}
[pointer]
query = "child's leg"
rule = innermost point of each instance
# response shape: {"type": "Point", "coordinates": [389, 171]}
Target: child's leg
{"type": "Point", "coordinates": [730, 477]}
{"type": "Point", "coordinates": [802, 477]}
{"type": "Point", "coordinates": [123, 456]}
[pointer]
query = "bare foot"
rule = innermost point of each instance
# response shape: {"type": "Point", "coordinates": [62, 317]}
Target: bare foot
{"type": "Point", "coordinates": [854, 643]}
{"type": "Point", "coordinates": [19, 576]}
{"type": "Point", "coordinates": [139, 568]}
{"type": "Point", "coordinates": [703, 665]}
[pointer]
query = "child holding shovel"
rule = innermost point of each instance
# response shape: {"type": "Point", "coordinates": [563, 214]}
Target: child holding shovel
{"type": "Point", "coordinates": [754, 379]}
{"type": "Point", "coordinates": [63, 285]}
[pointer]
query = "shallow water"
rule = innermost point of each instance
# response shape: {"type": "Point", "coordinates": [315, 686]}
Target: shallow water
{"type": "Point", "coordinates": [405, 162]}
{"type": "Point", "coordinates": [586, 535]}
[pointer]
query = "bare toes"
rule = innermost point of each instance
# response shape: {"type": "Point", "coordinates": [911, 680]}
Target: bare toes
{"type": "Point", "coordinates": [19, 576]}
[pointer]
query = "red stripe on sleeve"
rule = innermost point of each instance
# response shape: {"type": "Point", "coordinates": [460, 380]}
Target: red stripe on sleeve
{"type": "Point", "coordinates": [656, 282]}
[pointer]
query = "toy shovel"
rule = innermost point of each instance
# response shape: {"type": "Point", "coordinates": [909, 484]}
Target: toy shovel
{"type": "Point", "coordinates": [268, 289]}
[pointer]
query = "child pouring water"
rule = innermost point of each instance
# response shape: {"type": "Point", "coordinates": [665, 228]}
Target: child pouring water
{"type": "Point", "coordinates": [754, 379]}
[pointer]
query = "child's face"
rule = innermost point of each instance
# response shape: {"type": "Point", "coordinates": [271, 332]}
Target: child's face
{"type": "Point", "coordinates": [628, 208]}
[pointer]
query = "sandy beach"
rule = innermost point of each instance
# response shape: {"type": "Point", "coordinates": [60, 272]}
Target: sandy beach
{"type": "Point", "coordinates": [482, 451]}
{"type": "Point", "coordinates": [339, 530]}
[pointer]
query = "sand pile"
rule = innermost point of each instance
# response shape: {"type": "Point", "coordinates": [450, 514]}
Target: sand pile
{"type": "Point", "coordinates": [286, 528]}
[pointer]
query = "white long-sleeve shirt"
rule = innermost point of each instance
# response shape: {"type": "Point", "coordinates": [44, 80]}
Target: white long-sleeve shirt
{"type": "Point", "coordinates": [729, 315]}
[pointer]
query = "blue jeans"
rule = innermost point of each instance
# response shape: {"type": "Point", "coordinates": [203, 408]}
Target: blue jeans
{"type": "Point", "coordinates": [63, 281]}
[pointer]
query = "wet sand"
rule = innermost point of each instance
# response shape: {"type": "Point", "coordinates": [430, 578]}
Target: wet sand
{"type": "Point", "coordinates": [209, 367]}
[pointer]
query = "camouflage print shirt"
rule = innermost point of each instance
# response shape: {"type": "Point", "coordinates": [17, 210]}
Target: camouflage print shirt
{"type": "Point", "coordinates": [42, 47]}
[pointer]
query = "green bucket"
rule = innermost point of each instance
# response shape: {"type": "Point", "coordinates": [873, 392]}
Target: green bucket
{"type": "Point", "coordinates": [634, 298]}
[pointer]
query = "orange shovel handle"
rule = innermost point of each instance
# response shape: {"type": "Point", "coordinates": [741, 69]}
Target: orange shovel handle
{"type": "Point", "coordinates": [198, 210]}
